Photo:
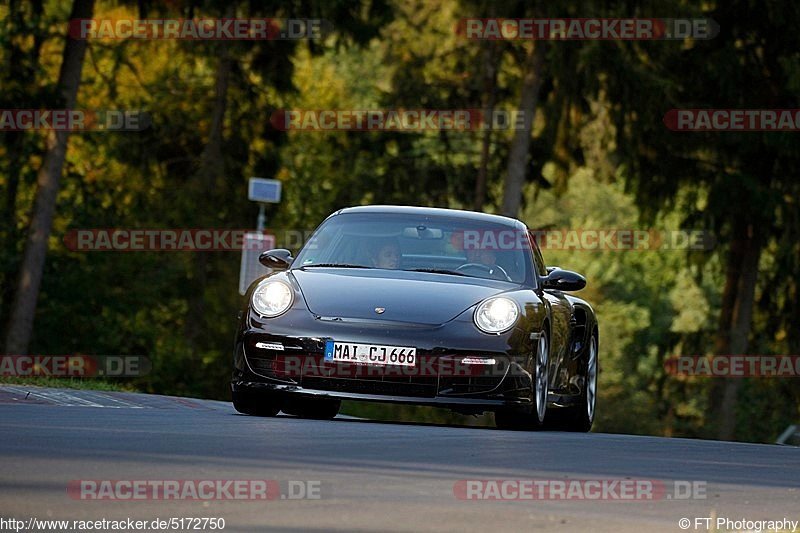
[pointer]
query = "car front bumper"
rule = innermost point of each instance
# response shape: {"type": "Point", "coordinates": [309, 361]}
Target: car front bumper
{"type": "Point", "coordinates": [440, 377]}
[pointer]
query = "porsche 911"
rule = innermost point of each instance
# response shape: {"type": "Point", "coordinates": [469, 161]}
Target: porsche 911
{"type": "Point", "coordinates": [424, 306]}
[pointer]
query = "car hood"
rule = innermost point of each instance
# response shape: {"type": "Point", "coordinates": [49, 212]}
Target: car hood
{"type": "Point", "coordinates": [413, 297]}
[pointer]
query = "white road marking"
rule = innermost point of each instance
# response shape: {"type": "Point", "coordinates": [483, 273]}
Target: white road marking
{"type": "Point", "coordinates": [59, 397]}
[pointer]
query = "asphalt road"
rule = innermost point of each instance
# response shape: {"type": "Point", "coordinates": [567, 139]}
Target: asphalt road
{"type": "Point", "coordinates": [371, 475]}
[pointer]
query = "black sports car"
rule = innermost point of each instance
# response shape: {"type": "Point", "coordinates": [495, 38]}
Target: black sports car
{"type": "Point", "coordinates": [422, 306]}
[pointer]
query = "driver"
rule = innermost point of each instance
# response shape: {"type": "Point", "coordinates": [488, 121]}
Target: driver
{"type": "Point", "coordinates": [482, 256]}
{"type": "Point", "coordinates": [386, 254]}
{"type": "Point", "coordinates": [488, 259]}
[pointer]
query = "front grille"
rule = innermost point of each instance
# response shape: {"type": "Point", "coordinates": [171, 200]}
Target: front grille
{"type": "Point", "coordinates": [468, 385]}
{"type": "Point", "coordinates": [272, 365]}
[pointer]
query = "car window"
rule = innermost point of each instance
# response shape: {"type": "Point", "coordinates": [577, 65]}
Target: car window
{"type": "Point", "coordinates": [408, 242]}
{"type": "Point", "coordinates": [541, 267]}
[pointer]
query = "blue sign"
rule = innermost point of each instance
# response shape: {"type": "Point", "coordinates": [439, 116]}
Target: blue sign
{"type": "Point", "coordinates": [264, 190]}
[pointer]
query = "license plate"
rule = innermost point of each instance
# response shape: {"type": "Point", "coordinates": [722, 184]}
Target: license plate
{"type": "Point", "coordinates": [370, 354]}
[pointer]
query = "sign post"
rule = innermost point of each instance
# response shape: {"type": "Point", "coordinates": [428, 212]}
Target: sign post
{"type": "Point", "coordinates": [263, 191]}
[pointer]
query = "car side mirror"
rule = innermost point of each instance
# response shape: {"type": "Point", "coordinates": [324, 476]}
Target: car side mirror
{"type": "Point", "coordinates": [278, 259]}
{"type": "Point", "coordinates": [563, 280]}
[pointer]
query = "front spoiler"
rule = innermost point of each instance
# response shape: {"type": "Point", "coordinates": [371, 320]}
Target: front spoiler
{"type": "Point", "coordinates": [436, 401]}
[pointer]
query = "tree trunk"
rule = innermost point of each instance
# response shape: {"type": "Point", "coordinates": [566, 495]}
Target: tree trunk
{"type": "Point", "coordinates": [490, 60]}
{"type": "Point", "coordinates": [518, 156]}
{"type": "Point", "coordinates": [733, 272]}
{"type": "Point", "coordinates": [22, 72]}
{"type": "Point", "coordinates": [30, 276]}
{"type": "Point", "coordinates": [740, 317]}
{"type": "Point", "coordinates": [210, 168]}
{"type": "Point", "coordinates": [22, 67]}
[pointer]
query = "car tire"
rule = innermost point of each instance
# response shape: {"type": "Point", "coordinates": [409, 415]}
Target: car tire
{"type": "Point", "coordinates": [312, 408]}
{"type": "Point", "coordinates": [580, 417]}
{"type": "Point", "coordinates": [254, 404]}
{"type": "Point", "coordinates": [510, 420]}
{"type": "Point", "coordinates": [534, 420]}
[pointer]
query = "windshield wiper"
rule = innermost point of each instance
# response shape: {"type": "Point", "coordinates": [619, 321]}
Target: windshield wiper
{"type": "Point", "coordinates": [436, 271]}
{"type": "Point", "coordinates": [336, 265]}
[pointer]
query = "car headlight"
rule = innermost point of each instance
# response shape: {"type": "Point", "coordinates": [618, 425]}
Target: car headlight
{"type": "Point", "coordinates": [271, 298]}
{"type": "Point", "coordinates": [496, 315]}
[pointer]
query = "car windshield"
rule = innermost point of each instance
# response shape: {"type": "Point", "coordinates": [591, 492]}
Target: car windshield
{"type": "Point", "coordinates": [435, 244]}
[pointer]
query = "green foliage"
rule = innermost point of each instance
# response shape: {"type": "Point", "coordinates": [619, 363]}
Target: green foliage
{"type": "Point", "coordinates": [600, 158]}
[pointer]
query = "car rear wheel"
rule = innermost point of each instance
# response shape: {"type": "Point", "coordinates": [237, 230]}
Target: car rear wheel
{"type": "Point", "coordinates": [506, 419]}
{"type": "Point", "coordinates": [312, 408]}
{"type": "Point", "coordinates": [254, 404]}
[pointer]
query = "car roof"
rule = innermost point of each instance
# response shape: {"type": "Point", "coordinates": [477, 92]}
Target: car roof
{"type": "Point", "coordinates": [433, 211]}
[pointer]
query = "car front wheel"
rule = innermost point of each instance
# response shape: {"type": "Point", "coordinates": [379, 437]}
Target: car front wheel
{"type": "Point", "coordinates": [254, 404]}
{"type": "Point", "coordinates": [580, 416]}
{"type": "Point", "coordinates": [506, 419]}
